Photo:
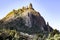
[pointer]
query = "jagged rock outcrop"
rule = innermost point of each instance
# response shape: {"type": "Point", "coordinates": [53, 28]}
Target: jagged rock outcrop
{"type": "Point", "coordinates": [26, 20]}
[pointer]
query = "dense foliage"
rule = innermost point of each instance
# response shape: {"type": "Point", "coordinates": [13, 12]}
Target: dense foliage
{"type": "Point", "coordinates": [55, 35]}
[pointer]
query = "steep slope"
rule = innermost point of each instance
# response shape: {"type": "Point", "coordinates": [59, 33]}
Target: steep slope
{"type": "Point", "coordinates": [26, 20]}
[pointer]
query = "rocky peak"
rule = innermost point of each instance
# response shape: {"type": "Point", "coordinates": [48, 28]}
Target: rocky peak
{"type": "Point", "coordinates": [25, 18]}
{"type": "Point", "coordinates": [30, 6]}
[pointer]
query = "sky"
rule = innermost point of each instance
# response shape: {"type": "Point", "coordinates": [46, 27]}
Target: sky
{"type": "Point", "coordinates": [49, 9]}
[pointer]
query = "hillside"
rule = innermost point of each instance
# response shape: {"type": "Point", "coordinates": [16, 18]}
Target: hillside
{"type": "Point", "coordinates": [26, 20]}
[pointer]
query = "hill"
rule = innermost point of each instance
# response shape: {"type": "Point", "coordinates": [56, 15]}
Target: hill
{"type": "Point", "coordinates": [26, 20]}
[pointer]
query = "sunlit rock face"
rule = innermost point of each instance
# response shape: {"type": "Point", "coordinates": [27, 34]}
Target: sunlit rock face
{"type": "Point", "coordinates": [24, 19]}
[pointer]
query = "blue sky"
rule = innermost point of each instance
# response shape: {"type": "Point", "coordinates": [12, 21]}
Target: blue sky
{"type": "Point", "coordinates": [49, 9]}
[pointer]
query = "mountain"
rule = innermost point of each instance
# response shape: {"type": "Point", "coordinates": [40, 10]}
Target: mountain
{"type": "Point", "coordinates": [27, 20]}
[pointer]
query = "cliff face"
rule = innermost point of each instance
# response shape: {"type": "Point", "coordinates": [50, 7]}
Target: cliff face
{"type": "Point", "coordinates": [26, 20]}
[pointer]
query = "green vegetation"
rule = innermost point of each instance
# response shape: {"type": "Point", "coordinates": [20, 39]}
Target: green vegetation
{"type": "Point", "coordinates": [6, 34]}
{"type": "Point", "coordinates": [55, 35]}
